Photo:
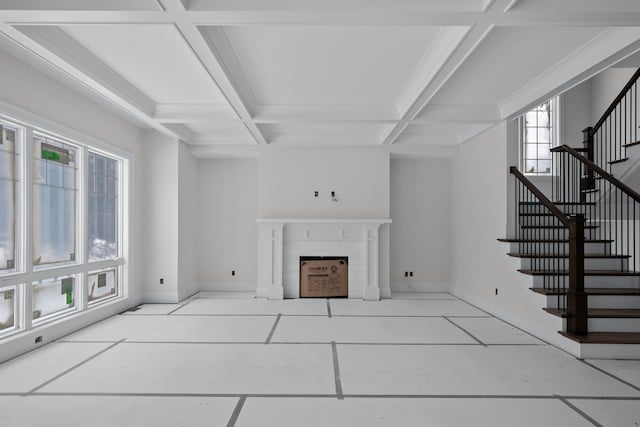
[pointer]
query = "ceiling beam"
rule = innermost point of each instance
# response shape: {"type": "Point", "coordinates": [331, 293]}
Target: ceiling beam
{"type": "Point", "coordinates": [213, 65]}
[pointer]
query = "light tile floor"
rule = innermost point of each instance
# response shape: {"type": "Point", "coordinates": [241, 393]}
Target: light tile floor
{"type": "Point", "coordinates": [226, 359]}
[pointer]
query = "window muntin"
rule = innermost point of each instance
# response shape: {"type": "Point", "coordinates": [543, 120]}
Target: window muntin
{"type": "Point", "coordinates": [9, 180]}
{"type": "Point", "coordinates": [538, 134]}
{"type": "Point", "coordinates": [102, 285]}
{"type": "Point", "coordinates": [54, 201]}
{"type": "Point", "coordinates": [52, 297]}
{"type": "Point", "coordinates": [7, 309]}
{"type": "Point", "coordinates": [102, 207]}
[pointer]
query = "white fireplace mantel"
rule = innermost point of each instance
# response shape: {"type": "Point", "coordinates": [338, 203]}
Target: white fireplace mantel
{"type": "Point", "coordinates": [287, 239]}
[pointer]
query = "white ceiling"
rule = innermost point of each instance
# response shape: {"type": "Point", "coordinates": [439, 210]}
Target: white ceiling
{"type": "Point", "coordinates": [231, 74]}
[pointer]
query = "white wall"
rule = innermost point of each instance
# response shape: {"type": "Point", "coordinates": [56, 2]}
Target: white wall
{"type": "Point", "coordinates": [289, 176]}
{"type": "Point", "coordinates": [188, 188]}
{"type": "Point", "coordinates": [481, 190]}
{"type": "Point", "coordinates": [226, 219]}
{"type": "Point", "coordinates": [421, 203]}
{"type": "Point", "coordinates": [605, 87]}
{"type": "Point", "coordinates": [159, 211]}
{"type": "Point", "coordinates": [575, 114]}
{"type": "Point", "coordinates": [27, 89]}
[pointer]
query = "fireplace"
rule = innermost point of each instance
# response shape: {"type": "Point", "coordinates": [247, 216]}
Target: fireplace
{"type": "Point", "coordinates": [282, 241]}
{"type": "Point", "coordinates": [324, 277]}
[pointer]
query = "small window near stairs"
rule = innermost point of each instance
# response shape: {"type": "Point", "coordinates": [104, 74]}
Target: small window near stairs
{"type": "Point", "coordinates": [538, 134]}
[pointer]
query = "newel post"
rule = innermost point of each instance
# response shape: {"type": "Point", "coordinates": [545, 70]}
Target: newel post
{"type": "Point", "coordinates": [576, 297]}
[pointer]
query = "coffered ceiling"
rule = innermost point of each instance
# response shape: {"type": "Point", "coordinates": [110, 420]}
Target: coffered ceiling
{"type": "Point", "coordinates": [220, 74]}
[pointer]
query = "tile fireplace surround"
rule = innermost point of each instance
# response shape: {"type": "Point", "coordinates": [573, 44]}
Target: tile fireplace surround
{"type": "Point", "coordinates": [291, 238]}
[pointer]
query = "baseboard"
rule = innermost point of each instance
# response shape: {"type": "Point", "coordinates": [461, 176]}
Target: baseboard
{"type": "Point", "coordinates": [228, 286]}
{"type": "Point", "coordinates": [171, 297]}
{"type": "Point", "coordinates": [420, 287]}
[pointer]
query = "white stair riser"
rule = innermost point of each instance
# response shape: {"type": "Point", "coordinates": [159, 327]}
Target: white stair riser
{"type": "Point", "coordinates": [559, 248]}
{"type": "Point", "coordinates": [592, 281]}
{"type": "Point", "coordinates": [613, 325]}
{"type": "Point", "coordinates": [599, 301]}
{"type": "Point", "coordinates": [563, 263]}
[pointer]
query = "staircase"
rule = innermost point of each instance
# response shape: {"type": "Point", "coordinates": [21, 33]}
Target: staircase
{"type": "Point", "coordinates": [580, 245]}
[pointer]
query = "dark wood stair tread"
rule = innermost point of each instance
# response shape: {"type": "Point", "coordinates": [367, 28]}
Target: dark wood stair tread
{"type": "Point", "coordinates": [613, 162]}
{"type": "Point", "coordinates": [586, 272]}
{"type": "Point", "coordinates": [557, 203]}
{"type": "Point", "coordinates": [551, 240]}
{"type": "Point", "coordinates": [631, 144]}
{"type": "Point", "coordinates": [598, 256]}
{"type": "Point", "coordinates": [590, 291]}
{"type": "Point", "coordinates": [586, 227]}
{"type": "Point", "coordinates": [601, 313]}
{"type": "Point", "coordinates": [604, 337]}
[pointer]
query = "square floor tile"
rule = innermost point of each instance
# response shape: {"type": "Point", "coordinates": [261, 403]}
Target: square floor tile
{"type": "Point", "coordinates": [204, 368]}
{"type": "Point", "coordinates": [108, 411]}
{"type": "Point", "coordinates": [179, 329]}
{"type": "Point", "coordinates": [611, 412]}
{"type": "Point", "coordinates": [152, 309]}
{"type": "Point", "coordinates": [369, 330]}
{"type": "Point", "coordinates": [32, 369]}
{"type": "Point", "coordinates": [629, 370]}
{"type": "Point", "coordinates": [367, 412]}
{"type": "Point", "coordinates": [490, 330]}
{"type": "Point", "coordinates": [255, 307]}
{"type": "Point", "coordinates": [463, 370]}
{"type": "Point", "coordinates": [391, 307]}
{"type": "Point", "coordinates": [422, 295]}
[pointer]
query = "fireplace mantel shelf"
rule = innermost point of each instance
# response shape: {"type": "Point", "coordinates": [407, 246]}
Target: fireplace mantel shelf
{"type": "Point", "coordinates": [287, 239]}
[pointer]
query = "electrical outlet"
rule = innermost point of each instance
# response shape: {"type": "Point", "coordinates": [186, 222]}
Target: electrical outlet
{"type": "Point", "coordinates": [233, 272]}
{"type": "Point", "coordinates": [411, 274]}
{"type": "Point", "coordinates": [315, 194]}
{"type": "Point", "coordinates": [496, 291]}
{"type": "Point", "coordinates": [162, 281]}
{"type": "Point", "coordinates": [406, 274]}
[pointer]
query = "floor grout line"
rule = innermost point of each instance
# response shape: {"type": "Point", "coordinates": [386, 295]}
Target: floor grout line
{"type": "Point", "coordinates": [328, 308]}
{"type": "Point", "coordinates": [336, 370]}
{"type": "Point", "coordinates": [236, 411]}
{"type": "Point", "coordinates": [627, 383]}
{"type": "Point", "coordinates": [74, 367]}
{"type": "Point", "coordinates": [129, 341]}
{"type": "Point", "coordinates": [579, 411]}
{"type": "Point", "coordinates": [333, 396]}
{"type": "Point", "coordinates": [273, 329]}
{"type": "Point", "coordinates": [464, 330]}
{"type": "Point", "coordinates": [178, 308]}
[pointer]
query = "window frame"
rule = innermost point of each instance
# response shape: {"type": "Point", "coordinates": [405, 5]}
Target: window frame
{"type": "Point", "coordinates": [26, 275]}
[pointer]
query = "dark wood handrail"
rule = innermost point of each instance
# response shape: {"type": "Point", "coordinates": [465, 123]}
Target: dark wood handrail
{"type": "Point", "coordinates": [536, 192]}
{"type": "Point", "coordinates": [606, 175]}
{"type": "Point", "coordinates": [615, 102]}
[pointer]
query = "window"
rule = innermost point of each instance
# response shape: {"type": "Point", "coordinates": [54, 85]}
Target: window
{"type": "Point", "coordinates": [7, 309]}
{"type": "Point", "coordinates": [61, 207]}
{"type": "Point", "coordinates": [54, 201]}
{"type": "Point", "coordinates": [52, 296]}
{"type": "Point", "coordinates": [539, 134]}
{"type": "Point", "coordinates": [8, 192]}
{"type": "Point", "coordinates": [103, 204]}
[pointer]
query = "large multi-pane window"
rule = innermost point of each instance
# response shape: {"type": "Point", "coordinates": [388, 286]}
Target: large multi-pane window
{"type": "Point", "coordinates": [538, 134]}
{"type": "Point", "coordinates": [103, 207]}
{"type": "Point", "coordinates": [61, 226]}
{"type": "Point", "coordinates": [8, 196]}
{"type": "Point", "coordinates": [54, 201]}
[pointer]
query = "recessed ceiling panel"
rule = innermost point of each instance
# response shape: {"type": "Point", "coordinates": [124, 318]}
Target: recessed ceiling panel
{"type": "Point", "coordinates": [439, 133]}
{"type": "Point", "coordinates": [80, 5]}
{"type": "Point", "coordinates": [330, 65]}
{"type": "Point", "coordinates": [154, 58]}
{"type": "Point", "coordinates": [325, 132]}
{"type": "Point", "coordinates": [510, 58]}
{"type": "Point", "coordinates": [279, 5]}
{"type": "Point", "coordinates": [582, 6]}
